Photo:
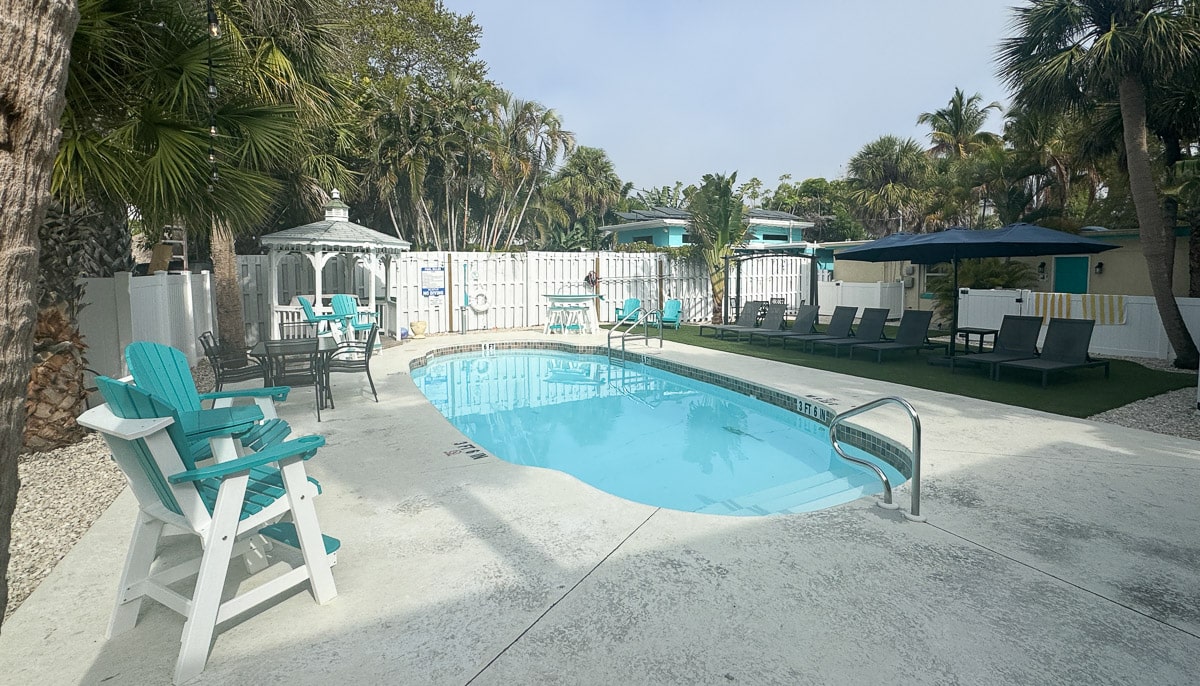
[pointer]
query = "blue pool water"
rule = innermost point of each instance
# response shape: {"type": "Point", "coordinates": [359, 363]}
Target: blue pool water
{"type": "Point", "coordinates": [644, 434]}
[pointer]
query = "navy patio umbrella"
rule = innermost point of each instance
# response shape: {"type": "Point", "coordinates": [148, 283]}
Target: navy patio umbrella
{"type": "Point", "coordinates": [952, 245]}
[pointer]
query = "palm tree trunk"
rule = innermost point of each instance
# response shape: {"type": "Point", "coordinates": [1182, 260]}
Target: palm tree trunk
{"type": "Point", "coordinates": [37, 50]}
{"type": "Point", "coordinates": [228, 288]}
{"type": "Point", "coordinates": [1158, 239]}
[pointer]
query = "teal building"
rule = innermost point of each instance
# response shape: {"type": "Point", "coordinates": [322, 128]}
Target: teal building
{"type": "Point", "coordinates": [667, 227]}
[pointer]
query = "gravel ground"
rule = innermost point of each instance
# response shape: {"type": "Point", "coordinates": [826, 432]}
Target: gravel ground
{"type": "Point", "coordinates": [63, 491]}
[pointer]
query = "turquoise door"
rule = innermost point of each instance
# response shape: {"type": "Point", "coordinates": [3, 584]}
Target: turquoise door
{"type": "Point", "coordinates": [1070, 274]}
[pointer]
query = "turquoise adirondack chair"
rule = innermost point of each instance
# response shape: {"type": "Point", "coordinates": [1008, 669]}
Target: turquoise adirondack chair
{"type": "Point", "coordinates": [163, 370]}
{"type": "Point", "coordinates": [222, 504]}
{"type": "Point", "coordinates": [670, 313]}
{"type": "Point", "coordinates": [354, 320]}
{"type": "Point", "coordinates": [631, 305]}
{"type": "Point", "coordinates": [318, 319]}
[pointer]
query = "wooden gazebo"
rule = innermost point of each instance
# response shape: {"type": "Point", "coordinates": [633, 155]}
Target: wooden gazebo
{"type": "Point", "coordinates": [323, 240]}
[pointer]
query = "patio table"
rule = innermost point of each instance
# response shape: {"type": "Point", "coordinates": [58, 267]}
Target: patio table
{"type": "Point", "coordinates": [965, 333]}
{"type": "Point", "coordinates": [322, 346]}
{"type": "Point", "coordinates": [571, 312]}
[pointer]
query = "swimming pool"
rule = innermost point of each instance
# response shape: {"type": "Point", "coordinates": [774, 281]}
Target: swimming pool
{"type": "Point", "coordinates": [644, 434]}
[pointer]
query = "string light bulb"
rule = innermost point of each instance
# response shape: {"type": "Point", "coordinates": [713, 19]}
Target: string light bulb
{"type": "Point", "coordinates": [212, 88]}
{"type": "Point", "coordinates": [214, 26]}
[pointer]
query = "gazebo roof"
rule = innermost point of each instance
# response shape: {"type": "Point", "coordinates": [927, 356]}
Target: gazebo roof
{"type": "Point", "coordinates": [335, 233]}
{"type": "Point", "coordinates": [335, 236]}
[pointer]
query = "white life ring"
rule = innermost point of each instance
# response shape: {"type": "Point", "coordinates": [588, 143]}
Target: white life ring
{"type": "Point", "coordinates": [479, 302]}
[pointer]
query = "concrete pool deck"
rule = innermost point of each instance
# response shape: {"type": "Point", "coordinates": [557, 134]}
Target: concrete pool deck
{"type": "Point", "coordinates": [1056, 551]}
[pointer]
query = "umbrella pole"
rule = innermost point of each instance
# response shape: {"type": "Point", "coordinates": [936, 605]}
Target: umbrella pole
{"type": "Point", "coordinates": [954, 311]}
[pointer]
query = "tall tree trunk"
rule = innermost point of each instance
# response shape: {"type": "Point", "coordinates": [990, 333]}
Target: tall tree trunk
{"type": "Point", "coordinates": [35, 48]}
{"type": "Point", "coordinates": [1158, 239]}
{"type": "Point", "coordinates": [228, 287]}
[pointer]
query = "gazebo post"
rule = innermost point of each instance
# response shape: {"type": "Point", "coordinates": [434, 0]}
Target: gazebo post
{"type": "Point", "coordinates": [318, 259]}
{"type": "Point", "coordinates": [273, 258]}
{"type": "Point", "coordinates": [372, 264]}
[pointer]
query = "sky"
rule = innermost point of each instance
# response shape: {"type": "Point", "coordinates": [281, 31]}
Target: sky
{"type": "Point", "coordinates": [675, 89]}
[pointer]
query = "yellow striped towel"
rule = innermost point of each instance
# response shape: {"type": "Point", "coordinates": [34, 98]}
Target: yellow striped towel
{"type": "Point", "coordinates": [1105, 309]}
{"type": "Point", "coordinates": [1050, 305]}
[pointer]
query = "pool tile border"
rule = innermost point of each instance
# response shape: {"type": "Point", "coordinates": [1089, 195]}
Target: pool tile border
{"type": "Point", "coordinates": [812, 407]}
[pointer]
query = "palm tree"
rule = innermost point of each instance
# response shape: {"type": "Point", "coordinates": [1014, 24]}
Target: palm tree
{"type": "Point", "coordinates": [40, 43]}
{"type": "Point", "coordinates": [716, 225]}
{"type": "Point", "coordinates": [1069, 52]}
{"type": "Point", "coordinates": [887, 181]}
{"type": "Point", "coordinates": [957, 126]}
{"type": "Point", "coordinates": [586, 187]}
{"type": "Point", "coordinates": [213, 134]}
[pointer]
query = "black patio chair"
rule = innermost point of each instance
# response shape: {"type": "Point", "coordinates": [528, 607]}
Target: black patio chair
{"type": "Point", "coordinates": [913, 334]}
{"type": "Point", "coordinates": [1017, 340]}
{"type": "Point", "coordinates": [297, 362]}
{"type": "Point", "coordinates": [354, 356]}
{"type": "Point", "coordinates": [229, 367]}
{"type": "Point", "coordinates": [1066, 347]}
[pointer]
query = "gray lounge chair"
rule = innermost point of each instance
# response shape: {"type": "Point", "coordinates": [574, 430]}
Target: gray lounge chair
{"type": "Point", "coordinates": [747, 318]}
{"type": "Point", "coordinates": [913, 334]}
{"type": "Point", "coordinates": [806, 320]}
{"type": "Point", "coordinates": [1017, 340]}
{"type": "Point", "coordinates": [870, 330]}
{"type": "Point", "coordinates": [772, 321]}
{"type": "Point", "coordinates": [840, 326]}
{"type": "Point", "coordinates": [1066, 347]}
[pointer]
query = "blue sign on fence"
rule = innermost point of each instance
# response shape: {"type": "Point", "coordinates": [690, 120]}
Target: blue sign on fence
{"type": "Point", "coordinates": [433, 281]}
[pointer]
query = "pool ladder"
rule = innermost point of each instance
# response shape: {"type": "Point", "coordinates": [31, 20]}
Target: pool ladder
{"type": "Point", "coordinates": [631, 320]}
{"type": "Point", "coordinates": [914, 512]}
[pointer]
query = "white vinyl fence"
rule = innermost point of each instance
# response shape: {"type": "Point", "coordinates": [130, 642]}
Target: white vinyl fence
{"type": "Point", "coordinates": [887, 294]}
{"type": "Point", "coordinates": [1141, 335]}
{"type": "Point", "coordinates": [457, 291]}
{"type": "Point", "coordinates": [173, 309]}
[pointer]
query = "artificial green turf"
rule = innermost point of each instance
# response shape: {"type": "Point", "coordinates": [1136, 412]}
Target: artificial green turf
{"type": "Point", "coordinates": [1075, 393]}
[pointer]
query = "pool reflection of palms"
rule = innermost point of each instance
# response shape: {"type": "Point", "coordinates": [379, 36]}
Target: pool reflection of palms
{"type": "Point", "coordinates": [715, 429]}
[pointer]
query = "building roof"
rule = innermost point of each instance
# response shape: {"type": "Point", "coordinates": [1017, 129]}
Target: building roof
{"type": "Point", "coordinates": [335, 233]}
{"type": "Point", "coordinates": [331, 236]}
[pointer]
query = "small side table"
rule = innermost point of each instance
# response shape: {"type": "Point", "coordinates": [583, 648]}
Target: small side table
{"type": "Point", "coordinates": [966, 332]}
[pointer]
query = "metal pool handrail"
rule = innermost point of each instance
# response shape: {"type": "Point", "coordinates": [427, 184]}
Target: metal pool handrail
{"type": "Point", "coordinates": [915, 508]}
{"type": "Point", "coordinates": [643, 319]}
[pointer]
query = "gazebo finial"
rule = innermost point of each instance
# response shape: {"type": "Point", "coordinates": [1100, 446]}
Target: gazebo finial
{"type": "Point", "coordinates": [335, 209]}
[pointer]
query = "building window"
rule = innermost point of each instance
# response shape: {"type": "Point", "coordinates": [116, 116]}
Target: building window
{"type": "Point", "coordinates": [642, 239]}
{"type": "Point", "coordinates": [781, 237]}
{"type": "Point", "coordinates": [687, 238]}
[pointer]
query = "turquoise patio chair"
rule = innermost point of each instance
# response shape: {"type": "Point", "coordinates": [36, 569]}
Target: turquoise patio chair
{"type": "Point", "coordinates": [630, 307]}
{"type": "Point", "coordinates": [353, 319]}
{"type": "Point", "coordinates": [223, 505]}
{"type": "Point", "coordinates": [163, 370]}
{"type": "Point", "coordinates": [317, 320]}
{"type": "Point", "coordinates": [670, 313]}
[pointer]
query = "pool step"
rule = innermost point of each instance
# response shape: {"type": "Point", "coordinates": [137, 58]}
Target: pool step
{"type": "Point", "coordinates": [761, 502]}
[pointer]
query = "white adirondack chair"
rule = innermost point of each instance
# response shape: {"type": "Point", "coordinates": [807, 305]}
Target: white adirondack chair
{"type": "Point", "coordinates": [226, 504]}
